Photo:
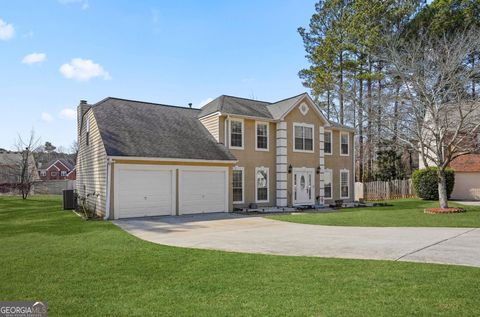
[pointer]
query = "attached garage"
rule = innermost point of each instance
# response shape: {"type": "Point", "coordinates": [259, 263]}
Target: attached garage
{"type": "Point", "coordinates": [467, 186]}
{"type": "Point", "coordinates": [467, 177]}
{"type": "Point", "coordinates": [152, 190]}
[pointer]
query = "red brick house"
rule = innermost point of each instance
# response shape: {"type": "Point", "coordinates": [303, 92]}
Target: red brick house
{"type": "Point", "coordinates": [58, 169]}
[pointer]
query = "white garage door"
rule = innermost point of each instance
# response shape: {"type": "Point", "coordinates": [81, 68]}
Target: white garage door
{"type": "Point", "coordinates": [467, 186]}
{"type": "Point", "coordinates": [203, 191]}
{"type": "Point", "coordinates": [144, 191]}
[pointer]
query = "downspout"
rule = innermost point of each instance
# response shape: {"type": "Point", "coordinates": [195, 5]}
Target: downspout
{"type": "Point", "coordinates": [107, 205]}
{"type": "Point", "coordinates": [354, 167]}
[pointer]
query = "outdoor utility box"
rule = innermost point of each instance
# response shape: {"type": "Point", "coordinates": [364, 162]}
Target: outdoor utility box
{"type": "Point", "coordinates": [69, 201]}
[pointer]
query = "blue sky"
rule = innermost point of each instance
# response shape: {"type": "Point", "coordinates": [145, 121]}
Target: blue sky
{"type": "Point", "coordinates": [56, 52]}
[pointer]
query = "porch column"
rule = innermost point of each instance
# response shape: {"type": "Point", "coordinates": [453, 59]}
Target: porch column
{"type": "Point", "coordinates": [281, 159]}
{"type": "Point", "coordinates": [322, 165]}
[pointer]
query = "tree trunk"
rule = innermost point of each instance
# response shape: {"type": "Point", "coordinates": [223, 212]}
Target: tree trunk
{"type": "Point", "coordinates": [360, 130]}
{"type": "Point", "coordinates": [341, 90]}
{"type": "Point", "coordinates": [442, 189]}
{"type": "Point", "coordinates": [369, 122]}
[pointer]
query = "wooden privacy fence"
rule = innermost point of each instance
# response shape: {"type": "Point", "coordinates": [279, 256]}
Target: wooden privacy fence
{"type": "Point", "coordinates": [379, 190]}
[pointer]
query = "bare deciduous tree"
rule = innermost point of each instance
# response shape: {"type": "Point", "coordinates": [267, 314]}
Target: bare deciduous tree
{"type": "Point", "coordinates": [441, 118]}
{"type": "Point", "coordinates": [24, 168]}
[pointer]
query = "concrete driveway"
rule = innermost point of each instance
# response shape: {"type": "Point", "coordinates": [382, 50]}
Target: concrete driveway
{"type": "Point", "coordinates": [253, 234]}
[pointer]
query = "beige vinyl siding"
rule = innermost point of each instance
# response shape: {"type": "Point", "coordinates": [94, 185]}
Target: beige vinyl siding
{"type": "Point", "coordinates": [92, 166]}
{"type": "Point", "coordinates": [212, 125]}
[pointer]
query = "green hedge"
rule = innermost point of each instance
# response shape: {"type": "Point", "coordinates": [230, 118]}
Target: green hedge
{"type": "Point", "coordinates": [426, 185]}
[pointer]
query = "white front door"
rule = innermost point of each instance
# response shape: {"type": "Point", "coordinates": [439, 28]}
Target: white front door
{"type": "Point", "coordinates": [303, 186]}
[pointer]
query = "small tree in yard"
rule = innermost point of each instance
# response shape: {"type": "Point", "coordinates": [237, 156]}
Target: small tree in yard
{"type": "Point", "coordinates": [24, 169]}
{"type": "Point", "coordinates": [442, 117]}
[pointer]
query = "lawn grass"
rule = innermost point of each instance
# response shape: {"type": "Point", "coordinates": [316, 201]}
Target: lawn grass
{"type": "Point", "coordinates": [93, 268]}
{"type": "Point", "coordinates": [399, 213]}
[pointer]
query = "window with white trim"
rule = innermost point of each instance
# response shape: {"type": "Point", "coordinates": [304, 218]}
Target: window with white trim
{"type": "Point", "coordinates": [327, 144]}
{"type": "Point", "coordinates": [261, 133]}
{"type": "Point", "coordinates": [238, 180]}
{"type": "Point", "coordinates": [303, 137]}
{"type": "Point", "coordinates": [344, 143]}
{"type": "Point", "coordinates": [43, 173]}
{"type": "Point", "coordinates": [53, 174]}
{"type": "Point", "coordinates": [63, 173]}
{"type": "Point", "coordinates": [344, 184]}
{"type": "Point", "coordinates": [327, 184]}
{"type": "Point", "coordinates": [236, 133]}
{"type": "Point", "coordinates": [261, 184]}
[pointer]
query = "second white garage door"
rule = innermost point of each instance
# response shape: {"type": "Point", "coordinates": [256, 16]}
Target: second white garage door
{"type": "Point", "coordinates": [203, 190]}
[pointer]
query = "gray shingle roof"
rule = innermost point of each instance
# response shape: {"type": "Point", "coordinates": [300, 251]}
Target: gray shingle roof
{"type": "Point", "coordinates": [142, 129]}
{"type": "Point", "coordinates": [237, 105]}
{"type": "Point", "coordinates": [249, 107]}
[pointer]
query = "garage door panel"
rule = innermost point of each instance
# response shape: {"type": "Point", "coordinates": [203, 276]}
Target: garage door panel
{"type": "Point", "coordinates": [202, 191]}
{"type": "Point", "coordinates": [467, 186]}
{"type": "Point", "coordinates": [145, 192]}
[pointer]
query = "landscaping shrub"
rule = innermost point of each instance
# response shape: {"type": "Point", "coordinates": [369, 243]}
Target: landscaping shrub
{"type": "Point", "coordinates": [426, 185]}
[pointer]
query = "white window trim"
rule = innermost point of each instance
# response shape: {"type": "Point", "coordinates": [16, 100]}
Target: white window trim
{"type": "Point", "coordinates": [348, 143]}
{"type": "Point", "coordinates": [308, 125]}
{"type": "Point", "coordinates": [43, 173]}
{"type": "Point", "coordinates": [238, 168]}
{"type": "Point", "coordinates": [63, 173]}
{"type": "Point", "coordinates": [348, 183]}
{"type": "Point", "coordinates": [329, 170]}
{"type": "Point", "coordinates": [268, 184]}
{"type": "Point", "coordinates": [256, 136]}
{"type": "Point", "coordinates": [230, 134]}
{"type": "Point", "coordinates": [331, 142]}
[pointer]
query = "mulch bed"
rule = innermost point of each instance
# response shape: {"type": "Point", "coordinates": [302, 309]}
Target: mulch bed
{"type": "Point", "coordinates": [443, 210]}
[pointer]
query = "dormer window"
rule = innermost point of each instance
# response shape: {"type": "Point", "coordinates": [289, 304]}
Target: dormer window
{"type": "Point", "coordinates": [236, 133]}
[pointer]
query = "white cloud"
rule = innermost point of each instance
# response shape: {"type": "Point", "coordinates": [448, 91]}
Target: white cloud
{"type": "Point", "coordinates": [7, 31]}
{"type": "Point", "coordinates": [28, 35]}
{"type": "Point", "coordinates": [204, 102]}
{"type": "Point", "coordinates": [47, 117]}
{"type": "Point", "coordinates": [83, 70]}
{"type": "Point", "coordinates": [34, 58]}
{"type": "Point", "coordinates": [83, 3]}
{"type": "Point", "coordinates": [68, 114]}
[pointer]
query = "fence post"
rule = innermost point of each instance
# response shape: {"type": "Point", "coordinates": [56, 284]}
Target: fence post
{"type": "Point", "coordinates": [387, 185]}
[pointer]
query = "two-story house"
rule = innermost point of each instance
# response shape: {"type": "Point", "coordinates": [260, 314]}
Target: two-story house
{"type": "Point", "coordinates": [143, 159]}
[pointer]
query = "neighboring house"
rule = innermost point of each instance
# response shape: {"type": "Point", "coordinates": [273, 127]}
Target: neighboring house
{"type": "Point", "coordinates": [466, 167]}
{"type": "Point", "coordinates": [57, 169]}
{"type": "Point", "coordinates": [144, 159]}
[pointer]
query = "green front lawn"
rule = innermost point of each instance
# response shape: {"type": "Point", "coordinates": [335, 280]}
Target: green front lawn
{"type": "Point", "coordinates": [92, 268]}
{"type": "Point", "coordinates": [401, 213]}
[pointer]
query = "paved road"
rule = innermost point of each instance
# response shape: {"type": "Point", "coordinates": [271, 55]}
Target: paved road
{"type": "Point", "coordinates": [230, 232]}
